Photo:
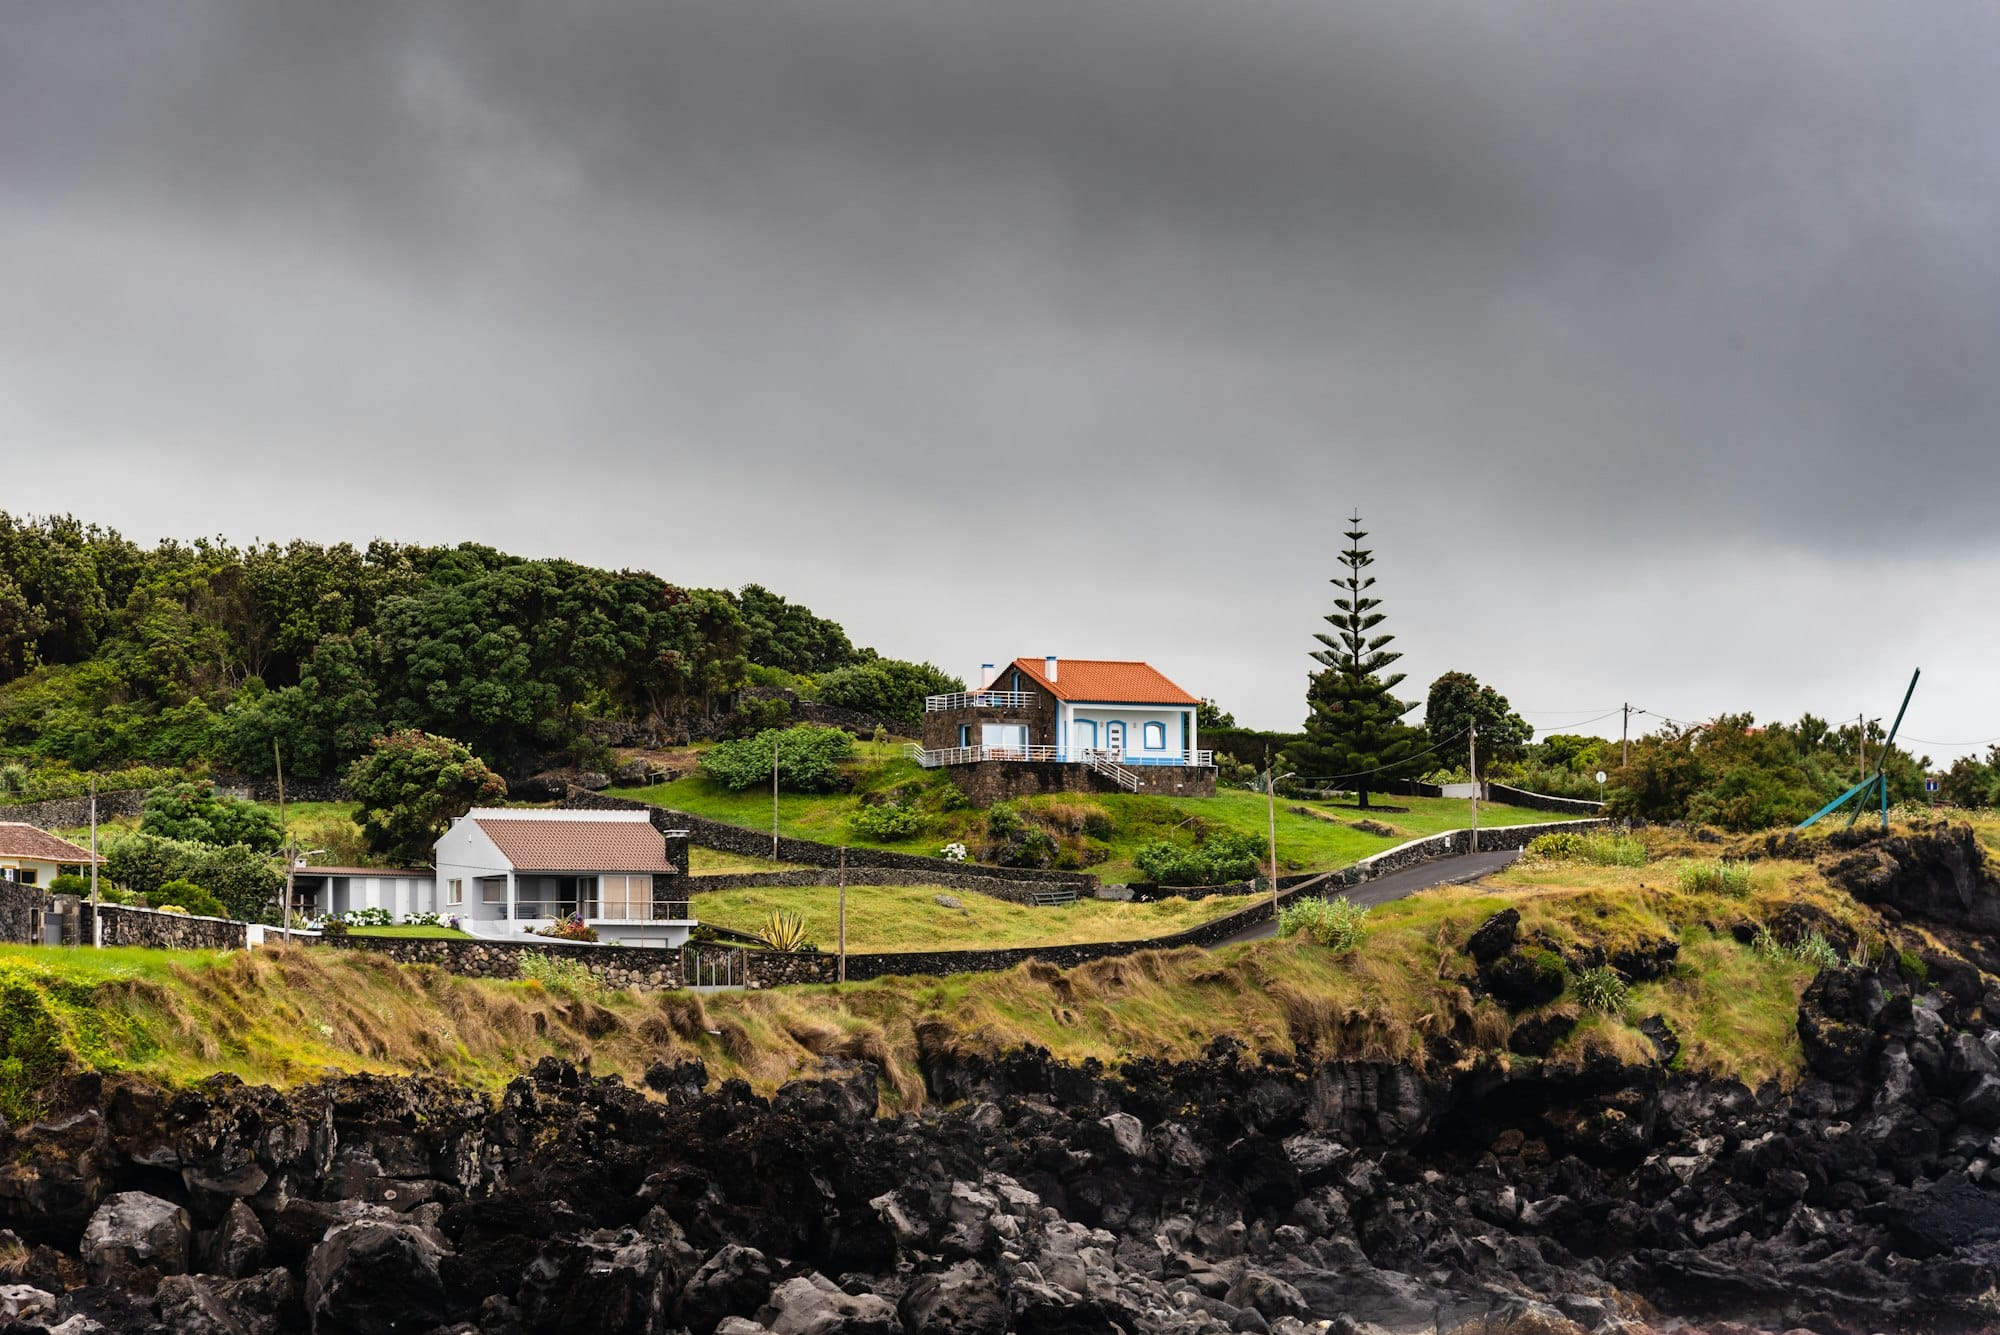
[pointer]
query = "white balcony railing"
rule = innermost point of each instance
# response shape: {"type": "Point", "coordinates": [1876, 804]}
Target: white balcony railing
{"type": "Point", "coordinates": [1061, 755]}
{"type": "Point", "coordinates": [979, 700]}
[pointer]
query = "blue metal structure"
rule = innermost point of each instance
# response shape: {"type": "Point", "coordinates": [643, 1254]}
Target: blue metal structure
{"type": "Point", "coordinates": [1877, 781]}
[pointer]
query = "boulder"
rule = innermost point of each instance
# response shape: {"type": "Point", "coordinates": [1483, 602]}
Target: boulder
{"type": "Point", "coordinates": [960, 1301]}
{"type": "Point", "coordinates": [1525, 979]}
{"type": "Point", "coordinates": [204, 1305]}
{"type": "Point", "coordinates": [133, 1230]}
{"type": "Point", "coordinates": [1494, 937]}
{"type": "Point", "coordinates": [1537, 1035]}
{"type": "Point", "coordinates": [25, 1303]}
{"type": "Point", "coordinates": [1266, 1294]}
{"type": "Point", "coordinates": [812, 1304]}
{"type": "Point", "coordinates": [238, 1246]}
{"type": "Point", "coordinates": [734, 1281]}
{"type": "Point", "coordinates": [374, 1278]}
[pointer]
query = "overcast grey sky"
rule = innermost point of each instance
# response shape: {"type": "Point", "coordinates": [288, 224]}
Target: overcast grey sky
{"type": "Point", "coordinates": [1657, 344]}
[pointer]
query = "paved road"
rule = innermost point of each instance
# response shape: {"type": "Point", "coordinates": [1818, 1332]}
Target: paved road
{"type": "Point", "coordinates": [1397, 884]}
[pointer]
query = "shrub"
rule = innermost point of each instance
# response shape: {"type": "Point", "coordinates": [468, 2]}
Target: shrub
{"type": "Point", "coordinates": [1028, 848]}
{"type": "Point", "coordinates": [69, 883]}
{"type": "Point", "coordinates": [886, 823]}
{"type": "Point", "coordinates": [567, 976]}
{"type": "Point", "coordinates": [369, 917]}
{"type": "Point", "coordinates": [1217, 860]}
{"type": "Point", "coordinates": [1002, 822]}
{"type": "Point", "coordinates": [1912, 966]}
{"type": "Point", "coordinates": [1601, 989]}
{"type": "Point", "coordinates": [1333, 923]}
{"type": "Point", "coordinates": [1815, 950]}
{"type": "Point", "coordinates": [333, 927]}
{"type": "Point", "coordinates": [196, 813]}
{"type": "Point", "coordinates": [1097, 825]}
{"type": "Point", "coordinates": [953, 852]}
{"type": "Point", "coordinates": [887, 688]}
{"type": "Point", "coordinates": [189, 898]}
{"type": "Point", "coordinates": [784, 930]}
{"type": "Point", "coordinates": [809, 759]}
{"type": "Point", "coordinates": [173, 908]}
{"type": "Point", "coordinates": [1602, 850]}
{"type": "Point", "coordinates": [1721, 877]}
{"type": "Point", "coordinates": [572, 928]}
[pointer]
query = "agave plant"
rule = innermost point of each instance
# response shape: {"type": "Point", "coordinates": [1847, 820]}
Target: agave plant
{"type": "Point", "coordinates": [784, 930]}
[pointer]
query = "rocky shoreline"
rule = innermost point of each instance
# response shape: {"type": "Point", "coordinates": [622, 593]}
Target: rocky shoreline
{"type": "Point", "coordinates": [1241, 1192]}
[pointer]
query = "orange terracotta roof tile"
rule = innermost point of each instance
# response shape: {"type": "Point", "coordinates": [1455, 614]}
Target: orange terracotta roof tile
{"type": "Point", "coordinates": [18, 839]}
{"type": "Point", "coordinates": [1106, 681]}
{"type": "Point", "coordinates": [555, 844]}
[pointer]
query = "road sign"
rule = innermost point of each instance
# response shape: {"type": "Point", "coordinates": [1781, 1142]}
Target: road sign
{"type": "Point", "coordinates": [1930, 785]}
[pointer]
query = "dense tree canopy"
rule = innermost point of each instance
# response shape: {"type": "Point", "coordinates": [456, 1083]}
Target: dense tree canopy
{"type": "Point", "coordinates": [1457, 701]}
{"type": "Point", "coordinates": [410, 786]}
{"type": "Point", "coordinates": [195, 653]}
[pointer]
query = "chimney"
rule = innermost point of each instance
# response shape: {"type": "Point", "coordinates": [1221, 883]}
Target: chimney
{"type": "Point", "coordinates": [677, 849]}
{"type": "Point", "coordinates": [1049, 667]}
{"type": "Point", "coordinates": [987, 672]}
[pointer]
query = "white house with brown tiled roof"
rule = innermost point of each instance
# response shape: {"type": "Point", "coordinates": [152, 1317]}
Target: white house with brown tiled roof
{"type": "Point", "coordinates": [31, 855]}
{"type": "Point", "coordinates": [501, 871]}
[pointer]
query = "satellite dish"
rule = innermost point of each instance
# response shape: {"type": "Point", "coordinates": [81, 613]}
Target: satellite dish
{"type": "Point", "coordinates": [1600, 776]}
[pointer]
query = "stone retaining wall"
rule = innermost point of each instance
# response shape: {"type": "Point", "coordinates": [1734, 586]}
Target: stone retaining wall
{"type": "Point", "coordinates": [985, 782]}
{"type": "Point", "coordinates": [994, 887]}
{"type": "Point", "coordinates": [1521, 797]}
{"type": "Point", "coordinates": [637, 968]}
{"type": "Point", "coordinates": [125, 925]}
{"type": "Point", "coordinates": [20, 907]}
{"type": "Point", "coordinates": [749, 843]}
{"type": "Point", "coordinates": [68, 813]}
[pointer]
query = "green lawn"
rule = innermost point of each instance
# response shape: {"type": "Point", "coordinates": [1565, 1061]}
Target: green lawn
{"type": "Point", "coordinates": [1312, 842]}
{"type": "Point", "coordinates": [884, 917]}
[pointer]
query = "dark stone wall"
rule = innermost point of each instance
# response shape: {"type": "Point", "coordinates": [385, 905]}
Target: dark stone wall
{"type": "Point", "coordinates": [66, 813]}
{"type": "Point", "coordinates": [992, 886]}
{"type": "Point", "coordinates": [128, 926]}
{"type": "Point", "coordinates": [749, 843]}
{"type": "Point", "coordinates": [1521, 797]}
{"type": "Point", "coordinates": [635, 968]}
{"type": "Point", "coordinates": [988, 781]}
{"type": "Point", "coordinates": [20, 909]}
{"type": "Point", "coordinates": [941, 726]}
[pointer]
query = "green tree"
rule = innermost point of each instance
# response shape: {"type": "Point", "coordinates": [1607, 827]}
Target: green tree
{"type": "Point", "coordinates": [410, 786]}
{"type": "Point", "coordinates": [808, 758]}
{"type": "Point", "coordinates": [196, 813]}
{"type": "Point", "coordinates": [1355, 735]}
{"type": "Point", "coordinates": [1209, 714]}
{"type": "Point", "coordinates": [1455, 702]}
{"type": "Point", "coordinates": [785, 635]}
{"type": "Point", "coordinates": [888, 688]}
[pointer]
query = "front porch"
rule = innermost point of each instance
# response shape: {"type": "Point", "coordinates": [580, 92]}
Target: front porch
{"type": "Point", "coordinates": [625, 909]}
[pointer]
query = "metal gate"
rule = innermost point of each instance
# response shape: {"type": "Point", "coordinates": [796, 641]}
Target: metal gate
{"type": "Point", "coordinates": [710, 966]}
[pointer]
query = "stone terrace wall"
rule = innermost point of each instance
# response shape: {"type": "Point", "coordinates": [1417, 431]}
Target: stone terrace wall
{"type": "Point", "coordinates": [986, 782]}
{"type": "Point", "coordinates": [995, 887]}
{"type": "Point", "coordinates": [749, 843]}
{"type": "Point", "coordinates": [1521, 797]}
{"type": "Point", "coordinates": [65, 813]}
{"type": "Point", "coordinates": [125, 925]}
{"type": "Point", "coordinates": [638, 968]}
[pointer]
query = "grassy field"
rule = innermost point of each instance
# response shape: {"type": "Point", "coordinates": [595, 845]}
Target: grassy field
{"type": "Point", "coordinates": [882, 917]}
{"type": "Point", "coordinates": [411, 930]}
{"type": "Point", "coordinates": [1314, 836]}
{"type": "Point", "coordinates": [284, 1015]}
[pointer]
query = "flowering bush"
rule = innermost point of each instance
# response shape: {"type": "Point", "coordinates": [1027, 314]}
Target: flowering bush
{"type": "Point", "coordinates": [173, 908]}
{"type": "Point", "coordinates": [424, 920]}
{"type": "Point", "coordinates": [368, 918]}
{"type": "Point", "coordinates": [572, 928]}
{"type": "Point", "coordinates": [954, 852]}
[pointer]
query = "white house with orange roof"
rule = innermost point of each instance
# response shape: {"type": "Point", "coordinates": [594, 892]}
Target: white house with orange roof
{"type": "Point", "coordinates": [1071, 725]}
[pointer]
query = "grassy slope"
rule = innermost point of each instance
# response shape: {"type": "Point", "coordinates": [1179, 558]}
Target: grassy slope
{"type": "Point", "coordinates": [883, 917]}
{"type": "Point", "coordinates": [283, 1015]}
{"type": "Point", "coordinates": [1305, 842]}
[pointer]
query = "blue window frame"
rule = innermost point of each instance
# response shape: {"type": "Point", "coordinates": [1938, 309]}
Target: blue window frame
{"type": "Point", "coordinates": [1155, 735]}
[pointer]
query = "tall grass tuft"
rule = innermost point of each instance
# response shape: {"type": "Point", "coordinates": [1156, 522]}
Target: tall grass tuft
{"type": "Point", "coordinates": [569, 977]}
{"type": "Point", "coordinates": [1601, 989]}
{"type": "Point", "coordinates": [1602, 850]}
{"type": "Point", "coordinates": [1721, 877]}
{"type": "Point", "coordinates": [1334, 923]}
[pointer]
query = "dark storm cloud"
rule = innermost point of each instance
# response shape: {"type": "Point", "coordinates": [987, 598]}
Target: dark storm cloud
{"type": "Point", "coordinates": [1703, 286]}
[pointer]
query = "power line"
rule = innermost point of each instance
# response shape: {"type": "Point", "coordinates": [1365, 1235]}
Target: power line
{"type": "Point", "coordinates": [1361, 774]}
{"type": "Point", "coordinates": [1932, 741]}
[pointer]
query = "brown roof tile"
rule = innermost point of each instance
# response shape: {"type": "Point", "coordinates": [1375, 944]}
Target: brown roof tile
{"type": "Point", "coordinates": [1105, 681]}
{"type": "Point", "coordinates": [555, 844]}
{"type": "Point", "coordinates": [18, 839]}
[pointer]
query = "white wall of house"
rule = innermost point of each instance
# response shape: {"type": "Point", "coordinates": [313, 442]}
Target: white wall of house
{"type": "Point", "coordinates": [36, 871]}
{"type": "Point", "coordinates": [465, 855]}
{"type": "Point", "coordinates": [400, 895]}
{"type": "Point", "coordinates": [1102, 725]}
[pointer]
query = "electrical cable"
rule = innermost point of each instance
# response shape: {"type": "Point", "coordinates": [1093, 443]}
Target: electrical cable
{"type": "Point", "coordinates": [1362, 774]}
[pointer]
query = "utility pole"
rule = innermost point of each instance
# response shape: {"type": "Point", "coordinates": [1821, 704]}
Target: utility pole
{"type": "Point", "coordinates": [96, 905]}
{"type": "Point", "coordinates": [1861, 744]}
{"type": "Point", "coordinates": [774, 794]}
{"type": "Point", "coordinates": [1625, 737]}
{"type": "Point", "coordinates": [1473, 769]}
{"type": "Point", "coordinates": [1271, 819]}
{"type": "Point", "coordinates": [291, 853]}
{"type": "Point", "coordinates": [843, 913]}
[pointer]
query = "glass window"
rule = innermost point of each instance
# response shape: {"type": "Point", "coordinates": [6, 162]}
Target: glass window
{"type": "Point", "coordinates": [1156, 736]}
{"type": "Point", "coordinates": [454, 892]}
{"type": "Point", "coordinates": [493, 892]}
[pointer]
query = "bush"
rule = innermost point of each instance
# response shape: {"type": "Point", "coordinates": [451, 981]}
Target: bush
{"type": "Point", "coordinates": [333, 927]}
{"type": "Point", "coordinates": [1333, 923]}
{"type": "Point", "coordinates": [887, 688]}
{"type": "Point", "coordinates": [1721, 877]}
{"type": "Point", "coordinates": [247, 882]}
{"type": "Point", "coordinates": [368, 917]}
{"type": "Point", "coordinates": [572, 928]}
{"type": "Point", "coordinates": [1601, 989]}
{"type": "Point", "coordinates": [1029, 848]}
{"type": "Point", "coordinates": [1814, 949]}
{"type": "Point", "coordinates": [1217, 860]}
{"type": "Point", "coordinates": [1602, 850]}
{"type": "Point", "coordinates": [196, 813]}
{"type": "Point", "coordinates": [69, 883]}
{"type": "Point", "coordinates": [567, 976]}
{"type": "Point", "coordinates": [809, 759]}
{"type": "Point", "coordinates": [188, 897]}
{"type": "Point", "coordinates": [886, 823]}
{"type": "Point", "coordinates": [784, 930]}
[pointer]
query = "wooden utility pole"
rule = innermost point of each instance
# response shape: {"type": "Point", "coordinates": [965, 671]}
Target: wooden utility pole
{"type": "Point", "coordinates": [96, 905]}
{"type": "Point", "coordinates": [843, 913]}
{"type": "Point", "coordinates": [1473, 769]}
{"type": "Point", "coordinates": [774, 794]}
{"type": "Point", "coordinates": [1625, 737]}
{"type": "Point", "coordinates": [291, 853]}
{"type": "Point", "coordinates": [1861, 745]}
{"type": "Point", "coordinates": [1271, 818]}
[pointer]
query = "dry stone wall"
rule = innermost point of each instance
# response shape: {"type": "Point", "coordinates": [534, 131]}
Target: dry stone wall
{"type": "Point", "coordinates": [995, 887]}
{"type": "Point", "coordinates": [67, 813]}
{"type": "Point", "coordinates": [1521, 797]}
{"type": "Point", "coordinates": [635, 968]}
{"type": "Point", "coordinates": [125, 925]}
{"type": "Point", "coordinates": [21, 907]}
